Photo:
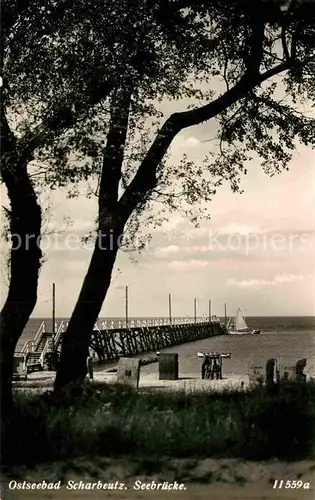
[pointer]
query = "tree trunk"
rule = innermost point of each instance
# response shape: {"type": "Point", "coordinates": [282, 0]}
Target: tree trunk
{"type": "Point", "coordinates": [25, 256]}
{"type": "Point", "coordinates": [75, 344]}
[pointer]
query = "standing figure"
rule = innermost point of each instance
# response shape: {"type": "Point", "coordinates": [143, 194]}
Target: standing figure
{"type": "Point", "coordinates": [206, 368]}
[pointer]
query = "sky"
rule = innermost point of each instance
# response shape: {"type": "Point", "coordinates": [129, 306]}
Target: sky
{"type": "Point", "coordinates": [256, 252]}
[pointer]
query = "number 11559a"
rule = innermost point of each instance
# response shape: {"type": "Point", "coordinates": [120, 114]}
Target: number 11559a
{"type": "Point", "coordinates": [290, 485]}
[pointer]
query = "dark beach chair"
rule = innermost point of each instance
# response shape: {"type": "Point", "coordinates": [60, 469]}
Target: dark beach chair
{"type": "Point", "coordinates": [300, 366]}
{"type": "Point", "coordinates": [207, 368]}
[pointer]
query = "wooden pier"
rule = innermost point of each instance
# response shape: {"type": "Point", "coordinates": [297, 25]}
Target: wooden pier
{"type": "Point", "coordinates": [114, 343]}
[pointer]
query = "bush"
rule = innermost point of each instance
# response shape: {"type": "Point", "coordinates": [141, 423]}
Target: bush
{"type": "Point", "coordinates": [110, 420]}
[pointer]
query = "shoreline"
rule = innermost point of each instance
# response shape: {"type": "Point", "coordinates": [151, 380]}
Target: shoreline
{"type": "Point", "coordinates": [187, 382]}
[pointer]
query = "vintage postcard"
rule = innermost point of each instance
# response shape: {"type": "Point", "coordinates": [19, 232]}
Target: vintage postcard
{"type": "Point", "coordinates": [157, 249]}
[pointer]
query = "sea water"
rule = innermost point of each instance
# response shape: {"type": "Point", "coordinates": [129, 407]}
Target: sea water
{"type": "Point", "coordinates": [287, 346]}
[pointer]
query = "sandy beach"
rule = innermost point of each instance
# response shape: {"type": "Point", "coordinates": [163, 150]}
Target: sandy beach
{"type": "Point", "coordinates": [187, 381]}
{"type": "Point", "coordinates": [230, 479]}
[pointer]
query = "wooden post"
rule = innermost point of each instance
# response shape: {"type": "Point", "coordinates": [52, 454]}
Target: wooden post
{"type": "Point", "coordinates": [168, 366]}
{"type": "Point", "coordinates": [195, 310]}
{"type": "Point", "coordinates": [225, 314]}
{"type": "Point", "coordinates": [170, 307]}
{"type": "Point", "coordinates": [209, 311]}
{"type": "Point", "coordinates": [90, 367]}
{"type": "Point", "coordinates": [127, 320]}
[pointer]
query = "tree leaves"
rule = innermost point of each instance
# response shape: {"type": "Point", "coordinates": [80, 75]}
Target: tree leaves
{"type": "Point", "coordinates": [66, 60]}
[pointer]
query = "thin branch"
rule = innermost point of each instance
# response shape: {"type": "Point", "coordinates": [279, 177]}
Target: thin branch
{"type": "Point", "coordinates": [39, 173]}
{"type": "Point", "coordinates": [145, 179]}
{"type": "Point", "coordinates": [286, 109]}
{"type": "Point", "coordinates": [97, 189]}
{"type": "Point", "coordinates": [270, 54]}
{"type": "Point", "coordinates": [285, 49]}
{"type": "Point", "coordinates": [221, 146]}
{"type": "Point", "coordinates": [293, 45]}
{"type": "Point", "coordinates": [225, 124]}
{"type": "Point", "coordinates": [210, 140]}
{"type": "Point", "coordinates": [169, 195]}
{"type": "Point", "coordinates": [225, 73]}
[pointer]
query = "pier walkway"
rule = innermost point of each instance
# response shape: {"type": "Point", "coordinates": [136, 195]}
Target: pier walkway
{"type": "Point", "coordinates": [109, 342]}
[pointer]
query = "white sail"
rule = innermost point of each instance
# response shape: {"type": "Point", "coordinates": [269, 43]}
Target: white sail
{"type": "Point", "coordinates": [240, 323]}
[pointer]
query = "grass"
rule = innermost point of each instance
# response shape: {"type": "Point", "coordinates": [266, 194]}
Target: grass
{"type": "Point", "coordinates": [108, 420]}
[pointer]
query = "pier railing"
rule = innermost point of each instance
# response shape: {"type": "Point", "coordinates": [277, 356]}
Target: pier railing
{"type": "Point", "coordinates": [30, 345]}
{"type": "Point", "coordinates": [111, 338]}
{"type": "Point", "coordinates": [111, 324]}
{"type": "Point", "coordinates": [114, 324]}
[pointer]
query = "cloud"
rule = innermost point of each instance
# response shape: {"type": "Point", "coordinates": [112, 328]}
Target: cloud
{"type": "Point", "coordinates": [242, 229]}
{"type": "Point", "coordinates": [277, 280]}
{"type": "Point", "coordinates": [192, 141]}
{"type": "Point", "coordinates": [184, 251]}
{"type": "Point", "coordinates": [196, 249]}
{"type": "Point", "coordinates": [188, 265]}
{"type": "Point", "coordinates": [171, 224]}
{"type": "Point", "coordinates": [165, 251]}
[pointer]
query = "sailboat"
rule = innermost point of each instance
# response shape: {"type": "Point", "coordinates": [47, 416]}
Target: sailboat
{"type": "Point", "coordinates": [238, 326]}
